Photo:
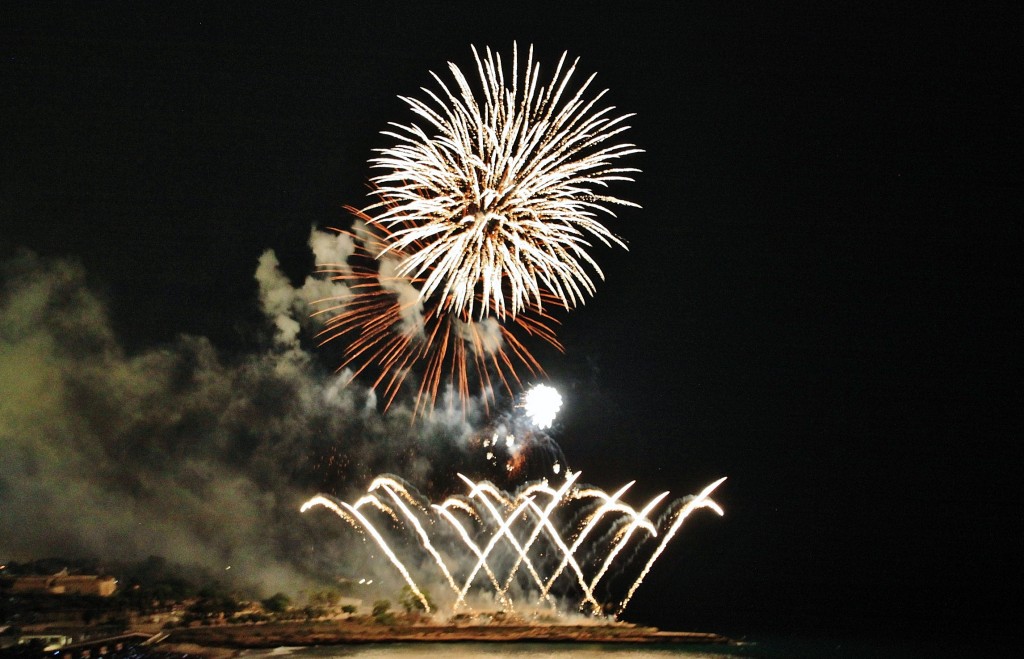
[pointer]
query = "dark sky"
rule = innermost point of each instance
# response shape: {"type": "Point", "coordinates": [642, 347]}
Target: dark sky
{"type": "Point", "coordinates": [819, 301]}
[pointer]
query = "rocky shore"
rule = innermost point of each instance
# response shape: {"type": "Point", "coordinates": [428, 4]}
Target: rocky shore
{"type": "Point", "coordinates": [220, 641]}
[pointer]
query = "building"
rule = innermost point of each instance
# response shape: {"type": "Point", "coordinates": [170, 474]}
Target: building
{"type": "Point", "coordinates": [63, 583]}
{"type": "Point", "coordinates": [48, 642]}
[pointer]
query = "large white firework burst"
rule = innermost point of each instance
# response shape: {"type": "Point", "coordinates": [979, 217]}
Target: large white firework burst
{"type": "Point", "coordinates": [501, 193]}
{"type": "Point", "coordinates": [395, 331]}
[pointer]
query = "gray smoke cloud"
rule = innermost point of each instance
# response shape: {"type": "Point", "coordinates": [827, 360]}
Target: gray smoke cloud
{"type": "Point", "coordinates": [292, 309]}
{"type": "Point", "coordinates": [180, 451]}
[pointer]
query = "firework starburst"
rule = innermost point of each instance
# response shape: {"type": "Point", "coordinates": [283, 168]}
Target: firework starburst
{"type": "Point", "coordinates": [500, 192]}
{"type": "Point", "coordinates": [395, 331]}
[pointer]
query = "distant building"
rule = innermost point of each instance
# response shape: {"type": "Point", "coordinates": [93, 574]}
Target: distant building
{"type": "Point", "coordinates": [63, 583]}
{"type": "Point", "coordinates": [48, 642]}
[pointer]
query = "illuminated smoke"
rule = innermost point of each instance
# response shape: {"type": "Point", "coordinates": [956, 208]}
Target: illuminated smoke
{"type": "Point", "coordinates": [182, 450]}
{"type": "Point", "coordinates": [395, 337]}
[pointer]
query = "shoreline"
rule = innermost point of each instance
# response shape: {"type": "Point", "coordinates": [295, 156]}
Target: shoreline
{"type": "Point", "coordinates": [219, 642]}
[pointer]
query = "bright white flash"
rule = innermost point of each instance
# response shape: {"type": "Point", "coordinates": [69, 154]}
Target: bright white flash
{"type": "Point", "coordinates": [495, 195]}
{"type": "Point", "coordinates": [542, 404]}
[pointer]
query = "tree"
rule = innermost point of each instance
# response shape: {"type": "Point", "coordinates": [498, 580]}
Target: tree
{"type": "Point", "coordinates": [277, 603]}
{"type": "Point", "coordinates": [325, 598]}
{"type": "Point", "coordinates": [211, 604]}
{"type": "Point", "coordinates": [380, 607]}
{"type": "Point", "coordinates": [411, 602]}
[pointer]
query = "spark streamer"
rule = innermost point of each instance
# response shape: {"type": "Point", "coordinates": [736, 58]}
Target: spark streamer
{"type": "Point", "coordinates": [506, 533]}
{"type": "Point", "coordinates": [345, 511]}
{"type": "Point", "coordinates": [702, 500]}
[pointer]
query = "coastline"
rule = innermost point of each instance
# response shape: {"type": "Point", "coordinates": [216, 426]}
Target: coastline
{"type": "Point", "coordinates": [223, 641]}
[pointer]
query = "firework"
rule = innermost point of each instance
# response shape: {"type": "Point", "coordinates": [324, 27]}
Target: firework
{"type": "Point", "coordinates": [395, 330]}
{"type": "Point", "coordinates": [517, 549]}
{"type": "Point", "coordinates": [542, 403]}
{"type": "Point", "coordinates": [497, 199]}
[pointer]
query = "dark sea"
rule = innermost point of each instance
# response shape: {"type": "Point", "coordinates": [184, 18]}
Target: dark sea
{"type": "Point", "coordinates": [779, 647]}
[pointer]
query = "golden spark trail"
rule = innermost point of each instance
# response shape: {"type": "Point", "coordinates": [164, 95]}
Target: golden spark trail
{"type": "Point", "coordinates": [480, 489]}
{"type": "Point", "coordinates": [452, 502]}
{"type": "Point", "coordinates": [386, 484]}
{"type": "Point", "coordinates": [640, 520]}
{"type": "Point", "coordinates": [323, 501]}
{"type": "Point", "coordinates": [593, 519]}
{"type": "Point", "coordinates": [556, 498]}
{"type": "Point", "coordinates": [702, 500]}
{"type": "Point", "coordinates": [518, 524]}
{"type": "Point", "coordinates": [587, 593]}
{"type": "Point", "coordinates": [503, 529]}
{"type": "Point", "coordinates": [506, 603]}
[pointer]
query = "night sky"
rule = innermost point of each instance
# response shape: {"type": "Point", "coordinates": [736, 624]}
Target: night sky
{"type": "Point", "coordinates": [820, 299]}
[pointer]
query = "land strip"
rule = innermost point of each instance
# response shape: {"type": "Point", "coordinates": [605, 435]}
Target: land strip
{"type": "Point", "coordinates": [273, 635]}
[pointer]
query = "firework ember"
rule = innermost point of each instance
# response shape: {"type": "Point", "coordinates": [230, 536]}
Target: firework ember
{"type": "Point", "coordinates": [396, 330]}
{"type": "Point", "coordinates": [523, 547]}
{"type": "Point", "coordinates": [501, 190]}
{"type": "Point", "coordinates": [542, 403]}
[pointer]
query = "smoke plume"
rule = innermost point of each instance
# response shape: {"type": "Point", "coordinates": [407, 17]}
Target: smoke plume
{"type": "Point", "coordinates": [178, 450]}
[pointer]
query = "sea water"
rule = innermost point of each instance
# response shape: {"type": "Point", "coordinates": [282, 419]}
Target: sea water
{"type": "Point", "coordinates": [517, 650]}
{"type": "Point", "coordinates": [764, 648]}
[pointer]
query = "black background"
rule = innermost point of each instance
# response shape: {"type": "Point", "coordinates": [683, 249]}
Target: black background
{"type": "Point", "coordinates": [820, 298]}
